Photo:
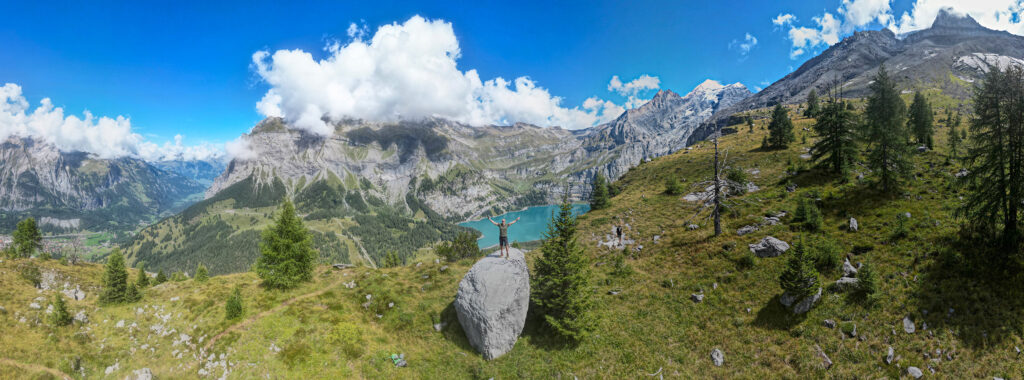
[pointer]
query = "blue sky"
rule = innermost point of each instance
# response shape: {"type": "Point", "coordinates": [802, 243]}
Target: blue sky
{"type": "Point", "coordinates": [187, 68]}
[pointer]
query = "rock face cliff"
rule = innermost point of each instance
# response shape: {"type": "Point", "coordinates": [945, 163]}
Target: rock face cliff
{"type": "Point", "coordinates": [463, 171]}
{"type": "Point", "coordinates": [72, 190]}
{"type": "Point", "coordinates": [950, 55]}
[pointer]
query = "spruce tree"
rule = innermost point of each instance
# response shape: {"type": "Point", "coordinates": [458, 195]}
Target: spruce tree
{"type": "Point", "coordinates": [599, 194]}
{"type": "Point", "coordinates": [142, 280]}
{"type": "Point", "coordinates": [115, 279]}
{"type": "Point", "coordinates": [27, 239]}
{"type": "Point", "coordinates": [996, 157]}
{"type": "Point", "coordinates": [812, 104]}
{"type": "Point", "coordinates": [160, 278]}
{"type": "Point", "coordinates": [202, 274]}
{"type": "Point", "coordinates": [672, 186]}
{"type": "Point", "coordinates": [233, 308]}
{"type": "Point", "coordinates": [780, 130]}
{"type": "Point", "coordinates": [132, 294]}
{"type": "Point", "coordinates": [286, 253]}
{"type": "Point", "coordinates": [561, 284]}
{"type": "Point", "coordinates": [885, 131]}
{"type": "Point", "coordinates": [836, 146]}
{"type": "Point", "coordinates": [919, 120]}
{"type": "Point", "coordinates": [60, 315]}
{"type": "Point", "coordinates": [799, 279]}
{"type": "Point", "coordinates": [954, 135]}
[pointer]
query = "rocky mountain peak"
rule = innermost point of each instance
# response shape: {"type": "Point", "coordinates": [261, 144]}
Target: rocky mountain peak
{"type": "Point", "coordinates": [950, 19]}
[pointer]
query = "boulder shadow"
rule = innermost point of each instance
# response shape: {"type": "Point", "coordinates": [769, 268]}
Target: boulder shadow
{"type": "Point", "coordinates": [452, 330]}
{"type": "Point", "coordinates": [775, 316]}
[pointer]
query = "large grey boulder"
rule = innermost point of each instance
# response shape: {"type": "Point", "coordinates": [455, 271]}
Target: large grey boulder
{"type": "Point", "coordinates": [769, 247]}
{"type": "Point", "coordinates": [807, 303]}
{"type": "Point", "coordinates": [492, 302]}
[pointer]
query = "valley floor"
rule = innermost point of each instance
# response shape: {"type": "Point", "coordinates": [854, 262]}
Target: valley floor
{"type": "Point", "coordinates": [347, 323]}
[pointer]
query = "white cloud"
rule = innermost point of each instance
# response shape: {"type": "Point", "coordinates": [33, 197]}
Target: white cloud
{"type": "Point", "coordinates": [633, 89]}
{"type": "Point", "coordinates": [103, 136]}
{"type": "Point", "coordinates": [1005, 15]}
{"type": "Point", "coordinates": [783, 19]}
{"type": "Point", "coordinates": [240, 149]}
{"type": "Point", "coordinates": [995, 14]}
{"type": "Point", "coordinates": [404, 71]}
{"type": "Point", "coordinates": [749, 41]}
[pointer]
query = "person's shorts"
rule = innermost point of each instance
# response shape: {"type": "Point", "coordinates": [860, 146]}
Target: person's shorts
{"type": "Point", "coordinates": [503, 241]}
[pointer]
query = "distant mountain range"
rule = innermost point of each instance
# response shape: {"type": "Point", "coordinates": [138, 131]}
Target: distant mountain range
{"type": "Point", "coordinates": [951, 55]}
{"type": "Point", "coordinates": [374, 187]}
{"type": "Point", "coordinates": [70, 191]}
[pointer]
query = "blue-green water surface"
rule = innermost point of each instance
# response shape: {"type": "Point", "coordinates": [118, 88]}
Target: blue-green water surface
{"type": "Point", "coordinates": [533, 222]}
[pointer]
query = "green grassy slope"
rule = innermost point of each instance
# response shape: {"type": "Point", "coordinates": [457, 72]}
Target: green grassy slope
{"type": "Point", "coordinates": [650, 324]}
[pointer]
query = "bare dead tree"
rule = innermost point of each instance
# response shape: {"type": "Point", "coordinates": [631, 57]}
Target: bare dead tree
{"type": "Point", "coordinates": [716, 192]}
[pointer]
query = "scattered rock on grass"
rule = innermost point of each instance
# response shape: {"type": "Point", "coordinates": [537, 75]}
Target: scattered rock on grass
{"type": "Point", "coordinates": [914, 372]}
{"type": "Point", "coordinates": [769, 247]}
{"type": "Point", "coordinates": [697, 297]}
{"type": "Point", "coordinates": [854, 227]}
{"type": "Point", "coordinates": [717, 358]}
{"type": "Point", "coordinates": [889, 355]}
{"type": "Point", "coordinates": [807, 303]}
{"type": "Point", "coordinates": [830, 323]}
{"type": "Point", "coordinates": [746, 230]}
{"type": "Point", "coordinates": [908, 325]}
{"type": "Point", "coordinates": [140, 374]}
{"type": "Point", "coordinates": [826, 363]}
{"type": "Point", "coordinates": [848, 269]}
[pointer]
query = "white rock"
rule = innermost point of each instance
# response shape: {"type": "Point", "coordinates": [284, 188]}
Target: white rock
{"type": "Point", "coordinates": [492, 302]}
{"type": "Point", "coordinates": [717, 358]}
{"type": "Point", "coordinates": [914, 372]}
{"type": "Point", "coordinates": [112, 368]}
{"type": "Point", "coordinates": [908, 325]}
{"type": "Point", "coordinates": [769, 247]}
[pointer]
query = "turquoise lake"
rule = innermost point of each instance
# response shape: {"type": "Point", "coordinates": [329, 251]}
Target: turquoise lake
{"type": "Point", "coordinates": [533, 222]}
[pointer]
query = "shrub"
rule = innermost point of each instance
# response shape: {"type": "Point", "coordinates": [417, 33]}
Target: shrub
{"type": "Point", "coordinates": [142, 280]}
{"type": "Point", "coordinates": [826, 255]}
{"type": "Point", "coordinates": [867, 283]}
{"type": "Point", "coordinates": [201, 273]}
{"type": "Point", "coordinates": [160, 278]}
{"type": "Point", "coordinates": [233, 308]}
{"type": "Point", "coordinates": [464, 246]}
{"type": "Point", "coordinates": [672, 186]}
{"type": "Point", "coordinates": [132, 294]}
{"type": "Point", "coordinates": [746, 261]}
{"type": "Point", "coordinates": [347, 336]}
{"type": "Point", "coordinates": [30, 272]}
{"type": "Point", "coordinates": [619, 266]}
{"type": "Point", "coordinates": [737, 180]}
{"type": "Point", "coordinates": [807, 215]}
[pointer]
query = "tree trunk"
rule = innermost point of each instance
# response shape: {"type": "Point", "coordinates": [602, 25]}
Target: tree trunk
{"type": "Point", "coordinates": [718, 192]}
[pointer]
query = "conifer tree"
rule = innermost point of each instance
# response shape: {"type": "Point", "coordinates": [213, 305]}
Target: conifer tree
{"type": "Point", "coordinates": [920, 122]}
{"type": "Point", "coordinates": [160, 278]}
{"type": "Point", "coordinates": [142, 280]}
{"type": "Point", "coordinates": [60, 315]}
{"type": "Point", "coordinates": [799, 279]}
{"type": "Point", "coordinates": [202, 274]}
{"type": "Point", "coordinates": [132, 294]}
{"type": "Point", "coordinates": [954, 135]}
{"type": "Point", "coordinates": [885, 131]}
{"type": "Point", "coordinates": [115, 279]}
{"type": "Point", "coordinates": [561, 285]}
{"type": "Point", "coordinates": [286, 253]}
{"type": "Point", "coordinates": [233, 308]}
{"type": "Point", "coordinates": [780, 130]}
{"type": "Point", "coordinates": [392, 259]}
{"type": "Point", "coordinates": [599, 194]}
{"type": "Point", "coordinates": [27, 239]}
{"type": "Point", "coordinates": [750, 123]}
{"type": "Point", "coordinates": [812, 104]}
{"type": "Point", "coordinates": [672, 186]}
{"type": "Point", "coordinates": [836, 145]}
{"type": "Point", "coordinates": [996, 158]}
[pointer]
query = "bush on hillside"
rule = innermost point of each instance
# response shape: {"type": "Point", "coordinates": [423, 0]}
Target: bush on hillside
{"type": "Point", "coordinates": [233, 308]}
{"type": "Point", "coordinates": [672, 186]}
{"type": "Point", "coordinates": [463, 246]}
{"type": "Point", "coordinates": [807, 216]}
{"type": "Point", "coordinates": [202, 274]}
{"type": "Point", "coordinates": [349, 338]}
{"type": "Point", "coordinates": [799, 279]}
{"type": "Point", "coordinates": [60, 315]}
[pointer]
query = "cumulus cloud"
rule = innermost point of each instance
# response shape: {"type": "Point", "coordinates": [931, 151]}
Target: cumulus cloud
{"type": "Point", "coordinates": [993, 14]}
{"type": "Point", "coordinates": [239, 149]}
{"type": "Point", "coordinates": [634, 89]}
{"type": "Point", "coordinates": [103, 136]}
{"type": "Point", "coordinates": [404, 71]}
{"type": "Point", "coordinates": [857, 14]}
{"type": "Point", "coordinates": [749, 41]}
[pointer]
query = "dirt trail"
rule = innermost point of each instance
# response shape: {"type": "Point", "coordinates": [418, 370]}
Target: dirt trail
{"type": "Point", "coordinates": [250, 320]}
{"type": "Point", "coordinates": [34, 368]}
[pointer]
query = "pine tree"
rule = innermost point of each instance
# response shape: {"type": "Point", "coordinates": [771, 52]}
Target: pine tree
{"type": "Point", "coordinates": [799, 279]}
{"type": "Point", "coordinates": [60, 315]}
{"type": "Point", "coordinates": [780, 130]}
{"type": "Point", "coordinates": [886, 133]}
{"type": "Point", "coordinates": [672, 186]}
{"type": "Point", "coordinates": [286, 253]}
{"type": "Point", "coordinates": [160, 278]}
{"type": "Point", "coordinates": [750, 124]}
{"type": "Point", "coordinates": [115, 279]}
{"type": "Point", "coordinates": [561, 285]}
{"type": "Point", "coordinates": [132, 294]}
{"type": "Point", "coordinates": [919, 120]}
{"type": "Point", "coordinates": [142, 280]}
{"type": "Point", "coordinates": [599, 194]}
{"type": "Point", "coordinates": [27, 238]}
{"type": "Point", "coordinates": [202, 274]}
{"type": "Point", "coordinates": [392, 259]}
{"type": "Point", "coordinates": [233, 308]}
{"type": "Point", "coordinates": [836, 143]}
{"type": "Point", "coordinates": [996, 157]}
{"type": "Point", "coordinates": [812, 104]}
{"type": "Point", "coordinates": [954, 135]}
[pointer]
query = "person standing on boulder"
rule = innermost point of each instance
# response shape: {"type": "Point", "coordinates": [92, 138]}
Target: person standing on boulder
{"type": "Point", "coordinates": [503, 235]}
